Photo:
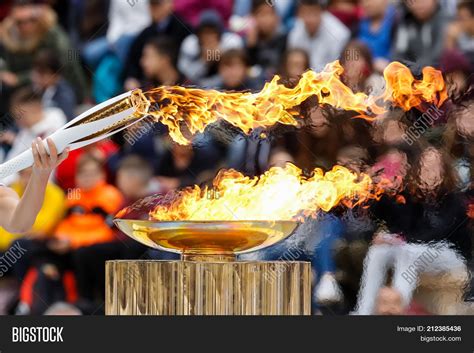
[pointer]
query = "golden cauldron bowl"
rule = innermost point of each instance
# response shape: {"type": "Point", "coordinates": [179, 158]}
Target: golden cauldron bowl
{"type": "Point", "coordinates": [207, 240]}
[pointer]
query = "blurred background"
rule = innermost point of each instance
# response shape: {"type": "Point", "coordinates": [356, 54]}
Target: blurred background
{"type": "Point", "coordinates": [408, 254]}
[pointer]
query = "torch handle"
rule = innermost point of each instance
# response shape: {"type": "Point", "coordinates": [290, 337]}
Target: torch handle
{"type": "Point", "coordinates": [14, 165]}
{"type": "Point", "coordinates": [25, 159]}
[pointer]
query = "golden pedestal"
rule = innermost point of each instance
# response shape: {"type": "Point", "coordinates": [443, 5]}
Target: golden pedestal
{"type": "Point", "coordinates": [207, 280]}
{"type": "Point", "coordinates": [147, 287]}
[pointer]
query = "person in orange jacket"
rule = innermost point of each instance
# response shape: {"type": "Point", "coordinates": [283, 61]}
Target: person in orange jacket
{"type": "Point", "coordinates": [90, 208]}
{"type": "Point", "coordinates": [53, 268]}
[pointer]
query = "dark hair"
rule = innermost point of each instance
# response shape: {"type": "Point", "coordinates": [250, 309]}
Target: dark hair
{"type": "Point", "coordinates": [47, 61]}
{"type": "Point", "coordinates": [138, 164]}
{"type": "Point", "coordinates": [450, 180]}
{"type": "Point", "coordinates": [28, 2]}
{"type": "Point", "coordinates": [318, 3]}
{"type": "Point", "coordinates": [210, 20]}
{"type": "Point", "coordinates": [25, 94]}
{"type": "Point", "coordinates": [360, 49]}
{"type": "Point", "coordinates": [256, 4]}
{"type": "Point", "coordinates": [166, 47]}
{"type": "Point", "coordinates": [89, 158]}
{"type": "Point", "coordinates": [230, 55]}
{"type": "Point", "coordinates": [467, 4]}
{"type": "Point", "coordinates": [155, 2]}
{"type": "Point", "coordinates": [286, 55]}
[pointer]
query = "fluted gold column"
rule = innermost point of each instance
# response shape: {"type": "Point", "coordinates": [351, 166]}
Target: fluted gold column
{"type": "Point", "coordinates": [144, 287]}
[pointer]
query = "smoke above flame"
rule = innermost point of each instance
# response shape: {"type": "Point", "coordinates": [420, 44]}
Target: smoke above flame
{"type": "Point", "coordinates": [278, 194]}
{"type": "Point", "coordinates": [187, 111]}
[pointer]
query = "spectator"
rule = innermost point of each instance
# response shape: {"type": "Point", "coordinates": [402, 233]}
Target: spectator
{"type": "Point", "coordinates": [66, 172]}
{"type": "Point", "coordinates": [164, 23]}
{"type": "Point", "coordinates": [376, 30]}
{"type": "Point", "coordinates": [420, 33]}
{"type": "Point", "coordinates": [358, 227]}
{"type": "Point", "coordinates": [266, 40]}
{"type": "Point", "coordinates": [319, 139]}
{"type": "Point", "coordinates": [90, 18]}
{"type": "Point", "coordinates": [458, 71]}
{"type": "Point", "coordinates": [29, 28]}
{"type": "Point", "coordinates": [159, 64]}
{"type": "Point", "coordinates": [187, 165]}
{"type": "Point", "coordinates": [390, 302]}
{"type": "Point", "coordinates": [279, 157]}
{"type": "Point", "coordinates": [318, 32]}
{"type": "Point", "coordinates": [89, 209]}
{"type": "Point", "coordinates": [48, 79]}
{"type": "Point", "coordinates": [191, 10]}
{"type": "Point", "coordinates": [460, 33]}
{"type": "Point", "coordinates": [328, 231]}
{"type": "Point", "coordinates": [458, 140]}
{"type": "Point", "coordinates": [346, 11]}
{"type": "Point", "coordinates": [293, 64]}
{"type": "Point", "coordinates": [126, 20]}
{"type": "Point", "coordinates": [33, 121]}
{"type": "Point", "coordinates": [87, 222]}
{"type": "Point", "coordinates": [242, 9]}
{"type": "Point", "coordinates": [133, 180]}
{"type": "Point", "coordinates": [233, 71]}
{"type": "Point", "coordinates": [201, 52]}
{"type": "Point", "coordinates": [359, 72]}
{"type": "Point", "coordinates": [430, 219]}
{"type": "Point", "coordinates": [150, 145]}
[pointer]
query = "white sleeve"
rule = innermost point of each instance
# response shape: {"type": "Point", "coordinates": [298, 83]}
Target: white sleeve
{"type": "Point", "coordinates": [231, 41]}
{"type": "Point", "coordinates": [189, 61]}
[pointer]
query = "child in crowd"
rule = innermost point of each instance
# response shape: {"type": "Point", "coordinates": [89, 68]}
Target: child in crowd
{"type": "Point", "coordinates": [460, 34]}
{"type": "Point", "coordinates": [390, 302]}
{"type": "Point", "coordinates": [200, 52]}
{"type": "Point", "coordinates": [164, 24]}
{"type": "Point", "coordinates": [56, 92]}
{"type": "Point", "coordinates": [32, 120]}
{"type": "Point", "coordinates": [133, 178]}
{"type": "Point", "coordinates": [359, 72]}
{"type": "Point", "coordinates": [233, 71]}
{"type": "Point", "coordinates": [89, 208]}
{"type": "Point", "coordinates": [457, 70]}
{"type": "Point", "coordinates": [265, 41]}
{"type": "Point", "coordinates": [159, 64]}
{"type": "Point", "coordinates": [294, 63]}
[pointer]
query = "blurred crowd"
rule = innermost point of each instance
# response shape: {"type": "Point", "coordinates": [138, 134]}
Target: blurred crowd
{"type": "Point", "coordinates": [408, 253]}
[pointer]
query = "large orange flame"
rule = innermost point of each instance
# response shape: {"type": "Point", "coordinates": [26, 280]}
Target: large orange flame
{"type": "Point", "coordinates": [278, 194]}
{"type": "Point", "coordinates": [186, 111]}
{"type": "Point", "coordinates": [407, 92]}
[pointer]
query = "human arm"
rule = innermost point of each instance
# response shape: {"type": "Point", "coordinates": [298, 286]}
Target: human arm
{"type": "Point", "coordinates": [18, 214]}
